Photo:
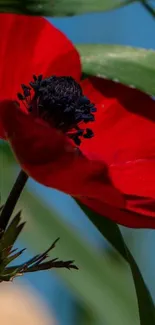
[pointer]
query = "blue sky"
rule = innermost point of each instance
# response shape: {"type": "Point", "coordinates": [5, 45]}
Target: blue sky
{"type": "Point", "coordinates": [130, 25]}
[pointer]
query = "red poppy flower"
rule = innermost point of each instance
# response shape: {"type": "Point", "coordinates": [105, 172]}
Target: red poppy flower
{"type": "Point", "coordinates": [93, 139]}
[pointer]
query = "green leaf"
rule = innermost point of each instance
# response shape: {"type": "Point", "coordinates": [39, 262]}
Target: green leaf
{"type": "Point", "coordinates": [130, 66]}
{"type": "Point", "coordinates": [112, 233]}
{"type": "Point", "coordinates": [60, 7]}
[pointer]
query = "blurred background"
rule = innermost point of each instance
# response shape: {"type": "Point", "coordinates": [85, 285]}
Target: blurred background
{"type": "Point", "coordinates": [102, 291]}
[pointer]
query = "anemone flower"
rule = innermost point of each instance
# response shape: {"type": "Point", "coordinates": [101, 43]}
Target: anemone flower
{"type": "Point", "coordinates": [93, 139]}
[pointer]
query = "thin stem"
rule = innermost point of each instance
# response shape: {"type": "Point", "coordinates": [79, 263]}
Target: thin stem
{"type": "Point", "coordinates": [148, 8]}
{"type": "Point", "coordinates": [12, 200]}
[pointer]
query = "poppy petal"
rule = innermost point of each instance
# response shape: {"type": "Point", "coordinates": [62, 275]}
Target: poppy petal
{"type": "Point", "coordinates": [48, 156]}
{"type": "Point", "coordinates": [124, 126]}
{"type": "Point", "coordinates": [125, 135]}
{"type": "Point", "coordinates": [135, 177]}
{"type": "Point", "coordinates": [145, 206]}
{"type": "Point", "coordinates": [126, 218]}
{"type": "Point", "coordinates": [32, 46]}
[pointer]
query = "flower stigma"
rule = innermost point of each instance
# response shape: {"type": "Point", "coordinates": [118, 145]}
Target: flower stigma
{"type": "Point", "coordinates": [60, 102]}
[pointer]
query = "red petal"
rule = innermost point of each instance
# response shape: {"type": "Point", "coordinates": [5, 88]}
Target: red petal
{"type": "Point", "coordinates": [145, 206]}
{"type": "Point", "coordinates": [31, 45]}
{"type": "Point", "coordinates": [125, 217]}
{"type": "Point", "coordinates": [48, 156]}
{"type": "Point", "coordinates": [135, 177]}
{"type": "Point", "coordinates": [124, 135]}
{"type": "Point", "coordinates": [125, 127]}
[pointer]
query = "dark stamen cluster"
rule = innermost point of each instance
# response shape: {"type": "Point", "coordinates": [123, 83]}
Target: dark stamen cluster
{"type": "Point", "coordinates": [60, 101]}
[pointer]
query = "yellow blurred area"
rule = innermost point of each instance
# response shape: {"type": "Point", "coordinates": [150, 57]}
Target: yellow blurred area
{"type": "Point", "coordinates": [19, 305]}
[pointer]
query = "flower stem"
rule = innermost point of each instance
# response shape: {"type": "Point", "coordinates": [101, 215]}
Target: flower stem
{"type": "Point", "coordinates": [12, 200]}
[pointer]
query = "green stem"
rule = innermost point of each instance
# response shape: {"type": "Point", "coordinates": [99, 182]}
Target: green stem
{"type": "Point", "coordinates": [12, 200]}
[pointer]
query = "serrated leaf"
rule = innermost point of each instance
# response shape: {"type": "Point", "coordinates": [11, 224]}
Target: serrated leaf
{"type": "Point", "coordinates": [35, 263]}
{"type": "Point", "coordinates": [11, 258]}
{"type": "Point", "coordinates": [45, 266]}
{"type": "Point", "coordinates": [12, 232]}
{"type": "Point", "coordinates": [130, 66]}
{"type": "Point", "coordinates": [60, 7]}
{"type": "Point", "coordinates": [9, 274]}
{"type": "Point", "coordinates": [5, 277]}
{"type": "Point", "coordinates": [53, 264]}
{"type": "Point", "coordinates": [112, 233]}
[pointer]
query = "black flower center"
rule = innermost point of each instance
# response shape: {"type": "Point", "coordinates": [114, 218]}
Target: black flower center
{"type": "Point", "coordinates": [60, 101]}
